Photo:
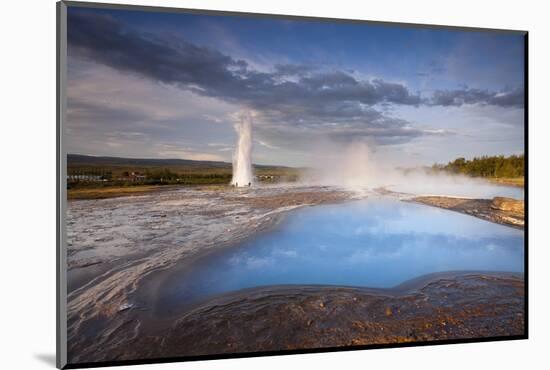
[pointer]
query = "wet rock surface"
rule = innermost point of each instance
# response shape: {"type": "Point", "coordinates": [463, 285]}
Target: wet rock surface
{"type": "Point", "coordinates": [508, 205]}
{"type": "Point", "coordinates": [501, 210]}
{"type": "Point", "coordinates": [115, 244]}
{"type": "Point", "coordinates": [297, 317]}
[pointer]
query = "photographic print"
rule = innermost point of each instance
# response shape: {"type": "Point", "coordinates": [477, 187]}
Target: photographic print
{"type": "Point", "coordinates": [240, 184]}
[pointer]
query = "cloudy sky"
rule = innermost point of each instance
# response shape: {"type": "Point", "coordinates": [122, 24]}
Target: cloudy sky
{"type": "Point", "coordinates": [162, 85]}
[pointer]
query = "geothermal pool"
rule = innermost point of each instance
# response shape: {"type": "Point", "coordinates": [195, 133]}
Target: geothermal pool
{"type": "Point", "coordinates": [375, 243]}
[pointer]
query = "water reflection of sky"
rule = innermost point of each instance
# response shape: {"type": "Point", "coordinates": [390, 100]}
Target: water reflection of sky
{"type": "Point", "coordinates": [376, 243]}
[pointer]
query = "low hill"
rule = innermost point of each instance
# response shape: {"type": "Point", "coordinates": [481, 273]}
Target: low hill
{"type": "Point", "coordinates": [76, 160]}
{"type": "Point", "coordinates": [85, 169]}
{"type": "Point", "coordinates": [88, 160]}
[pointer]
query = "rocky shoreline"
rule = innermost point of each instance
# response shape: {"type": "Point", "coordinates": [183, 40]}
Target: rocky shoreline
{"type": "Point", "coordinates": [447, 306]}
{"type": "Point", "coordinates": [505, 211]}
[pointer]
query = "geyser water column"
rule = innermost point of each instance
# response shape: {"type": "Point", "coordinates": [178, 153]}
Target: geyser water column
{"type": "Point", "coordinates": [242, 158]}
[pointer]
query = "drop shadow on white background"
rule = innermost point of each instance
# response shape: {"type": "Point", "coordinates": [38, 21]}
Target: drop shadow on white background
{"type": "Point", "coordinates": [46, 358]}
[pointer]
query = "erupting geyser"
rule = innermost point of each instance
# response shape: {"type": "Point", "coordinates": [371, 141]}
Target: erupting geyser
{"type": "Point", "coordinates": [242, 161]}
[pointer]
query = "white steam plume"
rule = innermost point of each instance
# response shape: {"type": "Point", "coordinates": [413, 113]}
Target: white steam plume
{"type": "Point", "coordinates": [242, 158]}
{"type": "Point", "coordinates": [357, 167]}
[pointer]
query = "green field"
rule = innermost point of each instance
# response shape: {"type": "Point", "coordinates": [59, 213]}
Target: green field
{"type": "Point", "coordinates": [100, 177]}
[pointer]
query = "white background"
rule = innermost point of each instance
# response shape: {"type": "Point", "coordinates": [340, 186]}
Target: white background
{"type": "Point", "coordinates": [27, 208]}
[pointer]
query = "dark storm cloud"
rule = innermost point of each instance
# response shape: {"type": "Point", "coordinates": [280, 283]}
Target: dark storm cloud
{"type": "Point", "coordinates": [105, 40]}
{"type": "Point", "coordinates": [293, 69]}
{"type": "Point", "coordinates": [291, 95]}
{"type": "Point", "coordinates": [211, 73]}
{"type": "Point", "coordinates": [343, 124]}
{"type": "Point", "coordinates": [385, 130]}
{"type": "Point", "coordinates": [511, 98]}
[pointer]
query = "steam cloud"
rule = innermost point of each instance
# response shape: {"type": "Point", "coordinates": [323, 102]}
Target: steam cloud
{"type": "Point", "coordinates": [242, 159]}
{"type": "Point", "coordinates": [357, 167]}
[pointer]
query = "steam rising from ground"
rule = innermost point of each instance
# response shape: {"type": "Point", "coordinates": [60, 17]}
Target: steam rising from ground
{"type": "Point", "coordinates": [356, 167]}
{"type": "Point", "coordinates": [348, 166]}
{"type": "Point", "coordinates": [242, 158]}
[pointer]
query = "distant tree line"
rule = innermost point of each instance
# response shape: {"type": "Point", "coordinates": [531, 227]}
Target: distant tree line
{"type": "Point", "coordinates": [486, 166]}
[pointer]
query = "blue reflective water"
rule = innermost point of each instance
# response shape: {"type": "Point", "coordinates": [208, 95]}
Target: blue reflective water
{"type": "Point", "coordinates": [375, 243]}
